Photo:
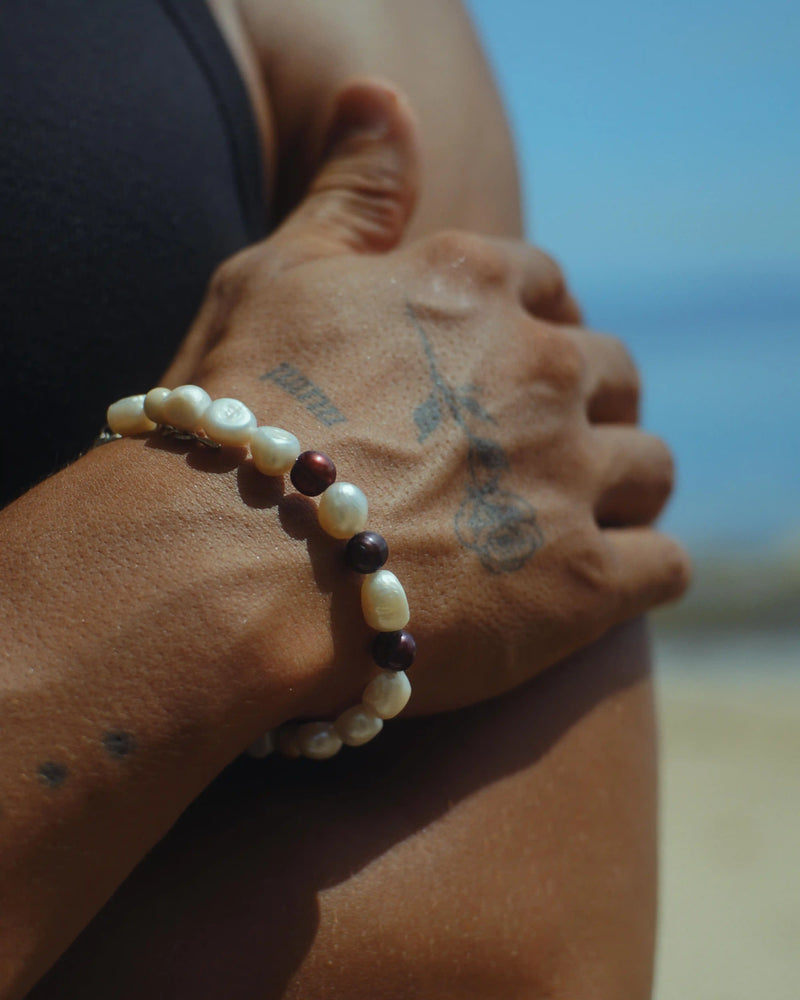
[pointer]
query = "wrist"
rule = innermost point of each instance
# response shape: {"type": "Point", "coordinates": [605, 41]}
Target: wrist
{"type": "Point", "coordinates": [188, 415]}
{"type": "Point", "coordinates": [142, 579]}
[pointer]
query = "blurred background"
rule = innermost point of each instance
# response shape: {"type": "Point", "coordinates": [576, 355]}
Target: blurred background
{"type": "Point", "coordinates": [660, 152]}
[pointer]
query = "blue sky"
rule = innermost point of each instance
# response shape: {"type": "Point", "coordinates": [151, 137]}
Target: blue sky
{"type": "Point", "coordinates": [660, 152]}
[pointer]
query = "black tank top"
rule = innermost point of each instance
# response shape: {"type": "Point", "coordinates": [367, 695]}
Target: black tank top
{"type": "Point", "coordinates": [129, 167]}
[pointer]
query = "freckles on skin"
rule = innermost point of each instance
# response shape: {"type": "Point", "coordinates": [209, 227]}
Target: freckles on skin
{"type": "Point", "coordinates": [52, 774]}
{"type": "Point", "coordinates": [118, 744]}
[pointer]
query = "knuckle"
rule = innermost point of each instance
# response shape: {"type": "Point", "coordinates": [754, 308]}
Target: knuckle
{"type": "Point", "coordinates": [593, 585]}
{"type": "Point", "coordinates": [552, 276]}
{"type": "Point", "coordinates": [229, 276]}
{"type": "Point", "coordinates": [622, 356]}
{"type": "Point", "coordinates": [617, 392]}
{"type": "Point", "coordinates": [663, 469]}
{"type": "Point", "coordinates": [548, 293]}
{"type": "Point", "coordinates": [451, 244]}
{"type": "Point", "coordinates": [558, 360]}
{"type": "Point", "coordinates": [589, 561]}
{"type": "Point", "coordinates": [466, 256]}
{"type": "Point", "coordinates": [630, 379]}
{"type": "Point", "coordinates": [677, 571]}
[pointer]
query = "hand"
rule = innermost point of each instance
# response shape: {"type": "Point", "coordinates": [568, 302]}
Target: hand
{"type": "Point", "coordinates": [165, 605]}
{"type": "Point", "coordinates": [450, 379]}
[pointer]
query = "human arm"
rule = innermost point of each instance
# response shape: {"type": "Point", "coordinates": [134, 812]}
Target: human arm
{"type": "Point", "coordinates": [619, 736]}
{"type": "Point", "coordinates": [296, 58]}
{"type": "Point", "coordinates": [130, 546]}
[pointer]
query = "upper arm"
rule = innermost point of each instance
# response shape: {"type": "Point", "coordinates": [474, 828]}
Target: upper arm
{"type": "Point", "coordinates": [296, 57]}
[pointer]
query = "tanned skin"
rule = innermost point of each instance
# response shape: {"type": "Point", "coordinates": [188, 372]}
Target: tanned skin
{"type": "Point", "coordinates": [505, 849]}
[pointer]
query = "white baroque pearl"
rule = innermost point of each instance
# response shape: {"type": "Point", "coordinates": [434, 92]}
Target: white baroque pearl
{"type": "Point", "coordinates": [358, 725]}
{"type": "Point", "coordinates": [274, 450]}
{"type": "Point", "coordinates": [263, 746]}
{"type": "Point", "coordinates": [384, 602]}
{"type": "Point", "coordinates": [343, 510]}
{"type": "Point", "coordinates": [227, 421]}
{"type": "Point", "coordinates": [185, 406]}
{"type": "Point", "coordinates": [387, 694]}
{"type": "Point", "coordinates": [318, 740]}
{"type": "Point", "coordinates": [154, 404]}
{"type": "Point", "coordinates": [127, 416]}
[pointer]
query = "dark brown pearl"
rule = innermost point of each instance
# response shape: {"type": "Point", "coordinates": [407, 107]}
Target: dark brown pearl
{"type": "Point", "coordinates": [394, 650]}
{"type": "Point", "coordinates": [366, 552]}
{"type": "Point", "coordinates": [312, 473]}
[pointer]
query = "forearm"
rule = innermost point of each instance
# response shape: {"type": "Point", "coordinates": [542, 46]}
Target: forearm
{"type": "Point", "coordinates": [113, 720]}
{"type": "Point", "coordinates": [511, 853]}
{"type": "Point", "coordinates": [507, 850]}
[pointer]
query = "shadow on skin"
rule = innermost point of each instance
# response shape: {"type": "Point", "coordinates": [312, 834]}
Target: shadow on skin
{"type": "Point", "coordinates": [202, 458]}
{"type": "Point", "coordinates": [297, 515]}
{"type": "Point", "coordinates": [227, 904]}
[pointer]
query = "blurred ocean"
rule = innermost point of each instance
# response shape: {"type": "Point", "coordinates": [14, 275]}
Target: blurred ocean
{"type": "Point", "coordinates": [720, 357]}
{"type": "Point", "coordinates": [659, 149]}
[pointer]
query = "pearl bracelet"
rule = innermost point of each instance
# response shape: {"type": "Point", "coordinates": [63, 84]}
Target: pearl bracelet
{"type": "Point", "coordinates": [189, 412]}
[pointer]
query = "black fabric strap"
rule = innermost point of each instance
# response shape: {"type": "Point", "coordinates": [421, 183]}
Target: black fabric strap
{"type": "Point", "coordinates": [202, 34]}
{"type": "Point", "coordinates": [130, 167]}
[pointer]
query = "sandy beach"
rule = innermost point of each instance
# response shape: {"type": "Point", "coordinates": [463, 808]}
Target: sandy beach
{"type": "Point", "coordinates": [730, 892]}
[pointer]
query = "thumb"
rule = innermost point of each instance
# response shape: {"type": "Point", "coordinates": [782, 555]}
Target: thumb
{"type": "Point", "coordinates": [363, 194]}
{"type": "Point", "coordinates": [359, 201]}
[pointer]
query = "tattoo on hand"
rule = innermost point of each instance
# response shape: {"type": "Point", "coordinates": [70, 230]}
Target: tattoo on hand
{"type": "Point", "coordinates": [293, 381]}
{"type": "Point", "coordinates": [498, 525]}
{"type": "Point", "coordinates": [52, 774]}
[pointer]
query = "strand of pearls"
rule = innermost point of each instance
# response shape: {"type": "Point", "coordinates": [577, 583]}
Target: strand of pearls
{"type": "Point", "coordinates": [342, 512]}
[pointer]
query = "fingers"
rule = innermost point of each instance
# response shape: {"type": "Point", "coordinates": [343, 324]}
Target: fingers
{"type": "Point", "coordinates": [650, 569]}
{"type": "Point", "coordinates": [611, 379]}
{"type": "Point", "coordinates": [539, 282]}
{"type": "Point", "coordinates": [636, 476]}
{"type": "Point", "coordinates": [364, 191]}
